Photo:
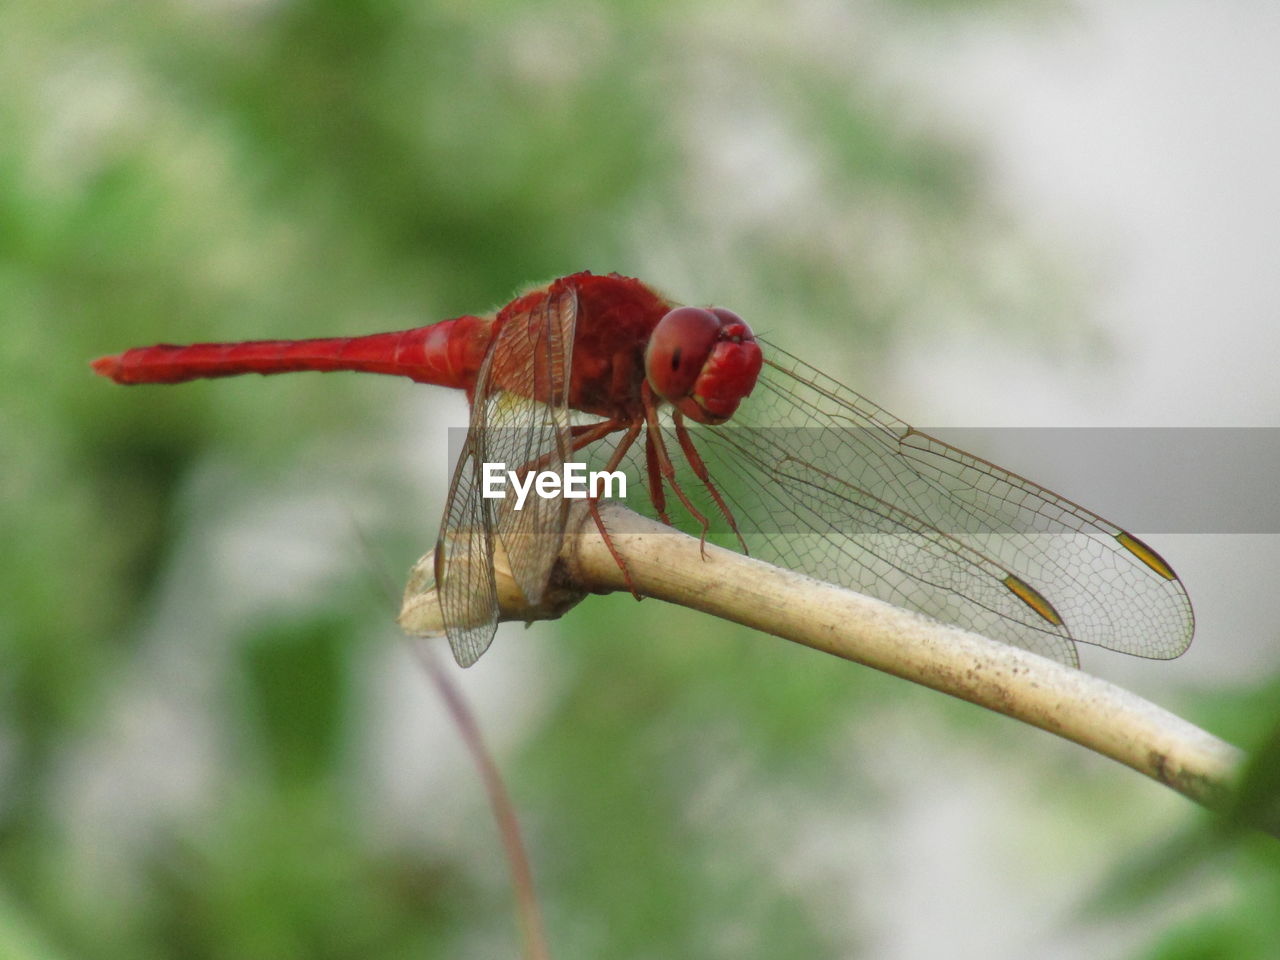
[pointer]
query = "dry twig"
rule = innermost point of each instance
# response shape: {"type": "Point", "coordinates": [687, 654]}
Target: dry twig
{"type": "Point", "coordinates": [671, 566]}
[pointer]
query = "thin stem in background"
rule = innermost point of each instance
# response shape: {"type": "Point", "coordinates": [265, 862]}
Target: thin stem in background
{"type": "Point", "coordinates": [528, 911]}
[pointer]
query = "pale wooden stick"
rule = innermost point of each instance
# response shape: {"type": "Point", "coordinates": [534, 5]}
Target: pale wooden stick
{"type": "Point", "coordinates": [671, 566]}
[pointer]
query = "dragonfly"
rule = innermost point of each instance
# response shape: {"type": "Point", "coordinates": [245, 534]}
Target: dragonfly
{"type": "Point", "coordinates": [731, 437]}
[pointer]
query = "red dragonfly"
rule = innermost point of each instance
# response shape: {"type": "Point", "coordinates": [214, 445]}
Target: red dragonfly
{"type": "Point", "coordinates": [787, 463]}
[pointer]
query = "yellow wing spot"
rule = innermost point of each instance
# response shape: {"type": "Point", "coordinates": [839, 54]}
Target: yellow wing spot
{"type": "Point", "coordinates": [1146, 555]}
{"type": "Point", "coordinates": [1033, 599]}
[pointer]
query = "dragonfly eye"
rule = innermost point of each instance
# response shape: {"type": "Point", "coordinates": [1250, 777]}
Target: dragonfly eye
{"type": "Point", "coordinates": [703, 362]}
{"type": "Point", "coordinates": [678, 347]}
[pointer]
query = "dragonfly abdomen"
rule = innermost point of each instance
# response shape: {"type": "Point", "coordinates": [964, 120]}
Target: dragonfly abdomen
{"type": "Point", "coordinates": [446, 354]}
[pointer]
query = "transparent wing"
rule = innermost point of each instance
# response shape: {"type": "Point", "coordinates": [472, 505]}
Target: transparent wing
{"type": "Point", "coordinates": [465, 579]}
{"type": "Point", "coordinates": [823, 481]}
{"type": "Point", "coordinates": [520, 418]}
{"type": "Point", "coordinates": [529, 431]}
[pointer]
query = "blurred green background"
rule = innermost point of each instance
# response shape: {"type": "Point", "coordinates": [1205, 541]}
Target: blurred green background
{"type": "Point", "coordinates": [212, 742]}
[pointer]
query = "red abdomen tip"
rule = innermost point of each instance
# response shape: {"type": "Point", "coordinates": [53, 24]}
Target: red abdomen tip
{"type": "Point", "coordinates": [107, 366]}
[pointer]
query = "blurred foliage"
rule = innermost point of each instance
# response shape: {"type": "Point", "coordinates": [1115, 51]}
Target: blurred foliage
{"type": "Point", "coordinates": [1245, 924]}
{"type": "Point", "coordinates": [188, 687]}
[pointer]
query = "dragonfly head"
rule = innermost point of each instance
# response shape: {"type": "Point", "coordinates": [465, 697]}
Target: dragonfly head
{"type": "Point", "coordinates": [703, 362]}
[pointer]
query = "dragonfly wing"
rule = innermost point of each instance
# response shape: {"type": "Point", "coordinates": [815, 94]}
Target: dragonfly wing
{"type": "Point", "coordinates": [802, 516]}
{"type": "Point", "coordinates": [519, 418]}
{"type": "Point", "coordinates": [824, 481]}
{"type": "Point", "coordinates": [464, 553]}
{"type": "Point", "coordinates": [528, 430]}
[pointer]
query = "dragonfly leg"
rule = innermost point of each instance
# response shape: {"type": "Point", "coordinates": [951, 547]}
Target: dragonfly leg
{"type": "Point", "coordinates": [613, 423]}
{"type": "Point", "coordinates": [700, 471]}
{"type": "Point", "coordinates": [583, 435]}
{"type": "Point", "coordinates": [658, 451]}
{"type": "Point", "coordinates": [588, 433]}
{"type": "Point", "coordinates": [653, 479]}
{"type": "Point", "coordinates": [633, 431]}
{"type": "Point", "coordinates": [593, 504]}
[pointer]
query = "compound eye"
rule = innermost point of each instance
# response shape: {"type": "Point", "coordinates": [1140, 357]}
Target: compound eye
{"type": "Point", "coordinates": [728, 318]}
{"type": "Point", "coordinates": [679, 348]}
